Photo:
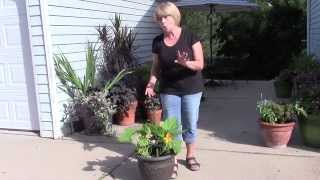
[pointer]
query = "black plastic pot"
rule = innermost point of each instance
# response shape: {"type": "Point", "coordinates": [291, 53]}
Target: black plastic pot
{"type": "Point", "coordinates": [156, 168]}
{"type": "Point", "coordinates": [283, 89]}
{"type": "Point", "coordinates": [310, 131]}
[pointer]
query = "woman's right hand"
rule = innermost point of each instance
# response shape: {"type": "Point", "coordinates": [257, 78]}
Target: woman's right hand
{"type": "Point", "coordinates": [150, 90]}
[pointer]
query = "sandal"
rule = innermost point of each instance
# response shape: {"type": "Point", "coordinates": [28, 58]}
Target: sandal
{"type": "Point", "coordinates": [174, 174]}
{"type": "Point", "coordinates": [192, 164]}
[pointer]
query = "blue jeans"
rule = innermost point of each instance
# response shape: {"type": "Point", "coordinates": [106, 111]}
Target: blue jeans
{"type": "Point", "coordinates": [186, 110]}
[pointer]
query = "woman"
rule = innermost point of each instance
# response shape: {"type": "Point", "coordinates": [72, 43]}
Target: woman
{"type": "Point", "coordinates": [177, 64]}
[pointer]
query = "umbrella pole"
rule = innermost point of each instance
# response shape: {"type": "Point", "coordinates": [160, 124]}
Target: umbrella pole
{"type": "Point", "coordinates": [212, 82]}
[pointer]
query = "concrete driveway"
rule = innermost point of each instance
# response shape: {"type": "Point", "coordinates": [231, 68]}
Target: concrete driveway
{"type": "Point", "coordinates": [230, 147]}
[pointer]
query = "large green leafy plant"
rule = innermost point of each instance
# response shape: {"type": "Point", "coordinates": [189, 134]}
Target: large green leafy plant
{"type": "Point", "coordinates": [278, 113]}
{"type": "Point", "coordinates": [153, 140]}
{"type": "Point", "coordinates": [93, 108]}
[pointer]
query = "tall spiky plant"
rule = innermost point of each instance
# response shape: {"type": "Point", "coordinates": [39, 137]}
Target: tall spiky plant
{"type": "Point", "coordinates": [118, 48]}
{"type": "Point", "coordinates": [72, 84]}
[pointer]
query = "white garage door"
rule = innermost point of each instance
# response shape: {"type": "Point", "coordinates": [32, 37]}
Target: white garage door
{"type": "Point", "coordinates": [17, 95]}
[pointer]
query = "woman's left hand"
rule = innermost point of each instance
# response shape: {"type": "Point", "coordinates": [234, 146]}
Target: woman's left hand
{"type": "Point", "coordinates": [182, 58]}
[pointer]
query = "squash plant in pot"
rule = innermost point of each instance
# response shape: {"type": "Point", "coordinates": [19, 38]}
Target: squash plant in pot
{"type": "Point", "coordinates": [277, 121]}
{"type": "Point", "coordinates": [155, 148]}
{"type": "Point", "coordinates": [153, 109]}
{"type": "Point", "coordinates": [125, 99]}
{"type": "Point", "coordinates": [310, 125]}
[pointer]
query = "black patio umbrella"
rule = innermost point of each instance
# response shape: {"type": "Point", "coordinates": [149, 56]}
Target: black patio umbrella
{"type": "Point", "coordinates": [214, 6]}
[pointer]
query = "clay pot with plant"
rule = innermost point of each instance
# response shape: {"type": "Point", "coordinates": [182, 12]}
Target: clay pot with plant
{"type": "Point", "coordinates": [125, 100]}
{"type": "Point", "coordinates": [153, 109]}
{"type": "Point", "coordinates": [88, 109]}
{"type": "Point", "coordinates": [277, 121]}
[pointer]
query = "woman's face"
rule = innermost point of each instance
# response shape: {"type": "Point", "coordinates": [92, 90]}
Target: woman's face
{"type": "Point", "coordinates": [166, 23]}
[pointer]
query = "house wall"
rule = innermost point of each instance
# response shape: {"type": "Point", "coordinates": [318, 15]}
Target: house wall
{"type": "Point", "coordinates": [40, 67]}
{"type": "Point", "coordinates": [69, 26]}
{"type": "Point", "coordinates": [314, 27]}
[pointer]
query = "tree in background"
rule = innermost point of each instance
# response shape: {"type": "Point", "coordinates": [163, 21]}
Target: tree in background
{"type": "Point", "coordinates": [267, 38]}
{"type": "Point", "coordinates": [198, 22]}
{"type": "Point", "coordinates": [263, 41]}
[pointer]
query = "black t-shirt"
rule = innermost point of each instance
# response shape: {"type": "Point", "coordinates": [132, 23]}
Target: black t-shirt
{"type": "Point", "coordinates": [174, 78]}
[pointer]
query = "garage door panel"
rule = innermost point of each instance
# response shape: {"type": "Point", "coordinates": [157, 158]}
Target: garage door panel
{"type": "Point", "coordinates": [21, 109]}
{"type": "Point", "coordinates": [2, 74]}
{"type": "Point", "coordinates": [13, 35]}
{"type": "Point", "coordinates": [16, 87]}
{"type": "Point", "coordinates": [15, 71]}
{"type": "Point", "coordinates": [4, 111]}
{"type": "Point", "coordinates": [11, 94]}
{"type": "Point", "coordinates": [11, 54]}
{"type": "Point", "coordinates": [9, 4]}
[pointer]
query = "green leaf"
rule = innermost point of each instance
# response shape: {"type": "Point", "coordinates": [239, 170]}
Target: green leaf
{"type": "Point", "coordinates": [115, 80]}
{"type": "Point", "coordinates": [127, 135]}
{"type": "Point", "coordinates": [170, 125]}
{"type": "Point", "coordinates": [89, 77]}
{"type": "Point", "coordinates": [67, 74]}
{"type": "Point", "coordinates": [176, 145]}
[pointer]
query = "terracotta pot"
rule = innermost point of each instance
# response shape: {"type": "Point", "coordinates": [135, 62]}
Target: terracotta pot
{"type": "Point", "coordinates": [127, 118]}
{"type": "Point", "coordinates": [276, 135]}
{"type": "Point", "coordinates": [155, 116]}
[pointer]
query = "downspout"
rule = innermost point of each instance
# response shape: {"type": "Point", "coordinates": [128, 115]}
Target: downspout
{"type": "Point", "coordinates": [50, 68]}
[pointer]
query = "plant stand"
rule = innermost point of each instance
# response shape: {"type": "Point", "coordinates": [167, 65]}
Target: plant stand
{"type": "Point", "coordinates": [156, 168]}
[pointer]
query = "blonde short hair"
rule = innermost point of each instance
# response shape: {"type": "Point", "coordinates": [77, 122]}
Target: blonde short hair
{"type": "Point", "coordinates": [167, 9]}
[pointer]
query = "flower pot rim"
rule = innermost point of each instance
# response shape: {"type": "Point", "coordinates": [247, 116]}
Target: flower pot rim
{"type": "Point", "coordinates": [153, 158]}
{"type": "Point", "coordinates": [156, 110]}
{"type": "Point", "coordinates": [291, 123]}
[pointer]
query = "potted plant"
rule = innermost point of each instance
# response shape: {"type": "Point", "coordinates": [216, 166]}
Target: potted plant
{"type": "Point", "coordinates": [125, 100]}
{"type": "Point", "coordinates": [89, 108]}
{"type": "Point", "coordinates": [277, 121]}
{"type": "Point", "coordinates": [155, 148]}
{"type": "Point", "coordinates": [310, 125]}
{"type": "Point", "coordinates": [283, 84]}
{"type": "Point", "coordinates": [153, 109]}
